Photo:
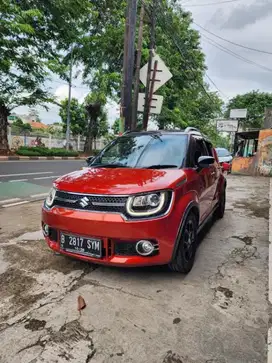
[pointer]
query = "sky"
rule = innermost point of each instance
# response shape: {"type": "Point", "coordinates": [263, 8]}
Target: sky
{"type": "Point", "coordinates": [245, 22]}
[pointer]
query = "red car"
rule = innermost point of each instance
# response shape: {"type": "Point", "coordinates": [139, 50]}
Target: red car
{"type": "Point", "coordinates": [141, 201]}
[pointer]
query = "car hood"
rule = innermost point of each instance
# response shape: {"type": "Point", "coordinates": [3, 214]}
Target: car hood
{"type": "Point", "coordinates": [119, 180]}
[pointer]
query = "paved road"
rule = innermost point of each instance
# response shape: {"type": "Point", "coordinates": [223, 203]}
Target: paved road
{"type": "Point", "coordinates": [219, 313]}
{"type": "Point", "coordinates": [19, 180]}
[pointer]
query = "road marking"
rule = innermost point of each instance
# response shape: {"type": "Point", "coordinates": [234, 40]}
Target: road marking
{"type": "Point", "coordinates": [37, 173]}
{"type": "Point", "coordinates": [18, 180]}
{"type": "Point", "coordinates": [269, 337]}
{"type": "Point", "coordinates": [13, 200]}
{"type": "Point", "coordinates": [39, 195]}
{"type": "Point", "coordinates": [47, 177]}
{"type": "Point", "coordinates": [14, 204]}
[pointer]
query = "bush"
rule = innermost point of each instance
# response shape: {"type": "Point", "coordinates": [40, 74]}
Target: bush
{"type": "Point", "coordinates": [44, 151]}
{"type": "Point", "coordinates": [23, 152]}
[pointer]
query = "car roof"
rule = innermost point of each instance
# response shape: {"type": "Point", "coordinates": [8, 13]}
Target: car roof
{"type": "Point", "coordinates": [221, 148]}
{"type": "Point", "coordinates": [188, 131]}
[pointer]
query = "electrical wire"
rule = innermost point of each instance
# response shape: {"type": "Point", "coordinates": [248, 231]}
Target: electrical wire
{"type": "Point", "coordinates": [233, 43]}
{"type": "Point", "coordinates": [233, 54]}
{"type": "Point", "coordinates": [209, 4]}
{"type": "Point", "coordinates": [172, 35]}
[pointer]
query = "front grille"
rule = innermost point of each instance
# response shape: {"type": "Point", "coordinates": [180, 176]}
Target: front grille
{"type": "Point", "coordinates": [95, 203]}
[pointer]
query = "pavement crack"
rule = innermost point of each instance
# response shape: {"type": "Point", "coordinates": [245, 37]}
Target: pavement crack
{"type": "Point", "coordinates": [119, 289]}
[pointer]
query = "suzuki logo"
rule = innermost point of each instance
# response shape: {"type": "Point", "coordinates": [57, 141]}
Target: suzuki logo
{"type": "Point", "coordinates": [84, 202]}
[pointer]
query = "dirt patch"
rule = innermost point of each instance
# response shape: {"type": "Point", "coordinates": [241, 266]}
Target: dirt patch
{"type": "Point", "coordinates": [172, 358]}
{"type": "Point", "coordinates": [35, 256]}
{"type": "Point", "coordinates": [260, 210]}
{"type": "Point", "coordinates": [247, 240]}
{"type": "Point", "coordinates": [35, 324]}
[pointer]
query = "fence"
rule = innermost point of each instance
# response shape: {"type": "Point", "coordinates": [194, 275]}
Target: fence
{"type": "Point", "coordinates": [16, 140]}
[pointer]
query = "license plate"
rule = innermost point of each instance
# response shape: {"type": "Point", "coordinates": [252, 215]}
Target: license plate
{"type": "Point", "coordinates": [90, 247]}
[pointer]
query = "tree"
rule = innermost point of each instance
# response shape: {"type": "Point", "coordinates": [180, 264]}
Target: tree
{"type": "Point", "coordinates": [177, 43]}
{"type": "Point", "coordinates": [255, 102]}
{"type": "Point", "coordinates": [95, 106]}
{"type": "Point", "coordinates": [78, 116]}
{"type": "Point", "coordinates": [19, 126]}
{"type": "Point", "coordinates": [33, 36]}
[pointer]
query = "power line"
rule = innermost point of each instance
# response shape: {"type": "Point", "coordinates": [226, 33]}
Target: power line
{"type": "Point", "coordinates": [229, 41]}
{"type": "Point", "coordinates": [209, 78]}
{"type": "Point", "coordinates": [172, 34]}
{"type": "Point", "coordinates": [209, 4]}
{"type": "Point", "coordinates": [233, 54]}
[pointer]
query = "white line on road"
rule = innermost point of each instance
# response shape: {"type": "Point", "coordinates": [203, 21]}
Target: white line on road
{"type": "Point", "coordinates": [39, 195]}
{"type": "Point", "coordinates": [47, 177]}
{"type": "Point", "coordinates": [18, 180]}
{"type": "Point", "coordinates": [14, 204]}
{"type": "Point", "coordinates": [13, 200]}
{"type": "Point", "coordinates": [37, 173]}
{"type": "Point", "coordinates": [269, 337]}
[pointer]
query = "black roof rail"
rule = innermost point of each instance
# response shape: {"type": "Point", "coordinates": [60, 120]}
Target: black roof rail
{"type": "Point", "coordinates": [188, 129]}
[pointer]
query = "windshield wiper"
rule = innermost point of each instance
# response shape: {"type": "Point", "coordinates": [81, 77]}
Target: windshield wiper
{"type": "Point", "coordinates": [161, 166]}
{"type": "Point", "coordinates": [109, 166]}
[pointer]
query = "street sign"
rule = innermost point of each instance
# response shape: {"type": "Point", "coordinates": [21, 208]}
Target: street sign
{"type": "Point", "coordinates": [227, 125]}
{"type": "Point", "coordinates": [163, 74]}
{"type": "Point", "coordinates": [238, 113]}
{"type": "Point", "coordinates": [156, 103]}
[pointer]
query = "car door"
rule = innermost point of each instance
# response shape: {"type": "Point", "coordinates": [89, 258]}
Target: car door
{"type": "Point", "coordinates": [203, 181]}
{"type": "Point", "coordinates": [214, 174]}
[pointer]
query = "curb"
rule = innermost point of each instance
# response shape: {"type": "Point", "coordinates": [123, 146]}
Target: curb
{"type": "Point", "coordinates": [8, 158]}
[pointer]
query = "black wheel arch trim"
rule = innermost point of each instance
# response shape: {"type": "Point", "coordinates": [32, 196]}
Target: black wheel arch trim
{"type": "Point", "coordinates": [188, 210]}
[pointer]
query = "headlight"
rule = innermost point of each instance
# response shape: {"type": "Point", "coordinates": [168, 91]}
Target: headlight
{"type": "Point", "coordinates": [50, 198]}
{"type": "Point", "coordinates": [148, 204]}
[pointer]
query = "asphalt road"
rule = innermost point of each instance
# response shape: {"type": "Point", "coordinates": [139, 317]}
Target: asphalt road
{"type": "Point", "coordinates": [19, 180]}
{"type": "Point", "coordinates": [218, 313]}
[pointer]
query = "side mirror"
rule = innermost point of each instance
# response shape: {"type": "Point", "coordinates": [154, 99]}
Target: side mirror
{"type": "Point", "coordinates": [89, 159]}
{"type": "Point", "coordinates": [205, 161]}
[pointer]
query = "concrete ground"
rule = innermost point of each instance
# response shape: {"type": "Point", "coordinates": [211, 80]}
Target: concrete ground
{"type": "Point", "coordinates": [219, 313]}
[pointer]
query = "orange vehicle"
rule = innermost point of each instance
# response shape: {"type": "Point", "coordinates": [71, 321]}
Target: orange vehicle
{"type": "Point", "coordinates": [141, 201]}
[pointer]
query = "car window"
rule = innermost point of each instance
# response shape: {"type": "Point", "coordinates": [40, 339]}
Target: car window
{"type": "Point", "coordinates": [143, 151]}
{"type": "Point", "coordinates": [222, 153]}
{"type": "Point", "coordinates": [197, 148]}
{"type": "Point", "coordinates": [209, 148]}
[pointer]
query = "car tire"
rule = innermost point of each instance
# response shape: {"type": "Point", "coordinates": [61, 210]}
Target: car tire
{"type": "Point", "coordinates": [184, 258]}
{"type": "Point", "coordinates": [220, 210]}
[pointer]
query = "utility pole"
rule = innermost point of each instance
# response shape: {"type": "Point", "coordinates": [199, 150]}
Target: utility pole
{"type": "Point", "coordinates": [69, 103]}
{"type": "Point", "coordinates": [129, 50]}
{"type": "Point", "coordinates": [137, 73]}
{"type": "Point", "coordinates": [151, 54]}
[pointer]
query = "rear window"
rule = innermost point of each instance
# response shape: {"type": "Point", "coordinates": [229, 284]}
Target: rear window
{"type": "Point", "coordinates": [222, 152]}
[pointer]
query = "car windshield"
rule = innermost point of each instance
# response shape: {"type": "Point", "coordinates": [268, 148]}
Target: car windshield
{"type": "Point", "coordinates": [222, 152]}
{"type": "Point", "coordinates": [144, 151]}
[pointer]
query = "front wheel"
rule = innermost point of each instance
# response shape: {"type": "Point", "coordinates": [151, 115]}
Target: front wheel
{"type": "Point", "coordinates": [184, 259]}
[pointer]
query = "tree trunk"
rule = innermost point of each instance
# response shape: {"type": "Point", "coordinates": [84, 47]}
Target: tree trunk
{"type": "Point", "coordinates": [88, 147]}
{"type": "Point", "coordinates": [4, 147]}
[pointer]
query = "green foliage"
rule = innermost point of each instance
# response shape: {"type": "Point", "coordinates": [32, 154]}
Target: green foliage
{"type": "Point", "coordinates": [44, 151]}
{"type": "Point", "coordinates": [78, 116]}
{"type": "Point", "coordinates": [33, 36]}
{"type": "Point", "coordinates": [255, 102]}
{"type": "Point", "coordinates": [19, 126]}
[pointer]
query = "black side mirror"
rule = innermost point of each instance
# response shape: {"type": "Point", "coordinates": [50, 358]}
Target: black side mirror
{"type": "Point", "coordinates": [89, 159]}
{"type": "Point", "coordinates": [205, 161]}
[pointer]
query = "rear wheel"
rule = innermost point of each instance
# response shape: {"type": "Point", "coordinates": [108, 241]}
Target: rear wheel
{"type": "Point", "coordinates": [185, 255]}
{"type": "Point", "coordinates": [220, 211]}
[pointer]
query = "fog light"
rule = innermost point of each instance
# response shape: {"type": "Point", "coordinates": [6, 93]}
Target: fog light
{"type": "Point", "coordinates": [145, 248]}
{"type": "Point", "coordinates": [46, 230]}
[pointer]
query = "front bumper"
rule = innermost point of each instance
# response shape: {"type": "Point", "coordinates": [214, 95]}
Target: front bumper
{"type": "Point", "coordinates": [112, 229]}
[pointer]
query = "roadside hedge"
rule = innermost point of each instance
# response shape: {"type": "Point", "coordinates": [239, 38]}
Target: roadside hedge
{"type": "Point", "coordinates": [44, 151]}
